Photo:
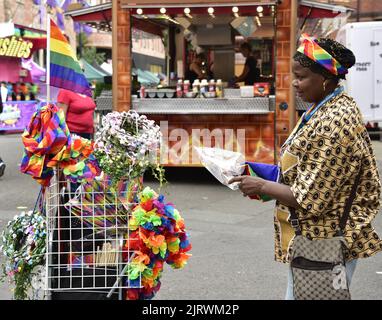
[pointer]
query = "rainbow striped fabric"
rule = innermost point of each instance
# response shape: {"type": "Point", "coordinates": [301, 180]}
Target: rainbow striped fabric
{"type": "Point", "coordinates": [313, 51]}
{"type": "Point", "coordinates": [48, 144]}
{"type": "Point", "coordinates": [65, 70]}
{"type": "Point", "coordinates": [46, 140]}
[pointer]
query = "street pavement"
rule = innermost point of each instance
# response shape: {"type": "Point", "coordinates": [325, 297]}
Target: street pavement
{"type": "Point", "coordinates": [232, 236]}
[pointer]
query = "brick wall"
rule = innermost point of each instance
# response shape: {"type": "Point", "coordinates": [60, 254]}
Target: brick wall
{"type": "Point", "coordinates": [283, 76]}
{"type": "Point", "coordinates": [21, 12]}
{"type": "Point", "coordinates": [122, 43]}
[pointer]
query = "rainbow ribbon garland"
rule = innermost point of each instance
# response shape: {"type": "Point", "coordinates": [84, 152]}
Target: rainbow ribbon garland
{"type": "Point", "coordinates": [313, 51]}
{"type": "Point", "coordinates": [48, 143]}
{"type": "Point", "coordinates": [46, 139]}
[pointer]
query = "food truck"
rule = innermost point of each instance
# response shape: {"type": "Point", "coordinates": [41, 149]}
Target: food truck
{"type": "Point", "coordinates": [254, 120]}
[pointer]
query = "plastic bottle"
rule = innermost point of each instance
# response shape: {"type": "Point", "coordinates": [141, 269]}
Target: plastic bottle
{"type": "Point", "coordinates": [219, 89]}
{"type": "Point", "coordinates": [179, 89]}
{"type": "Point", "coordinates": [196, 88]}
{"type": "Point", "coordinates": [203, 87]}
{"type": "Point", "coordinates": [211, 87]}
{"type": "Point", "coordinates": [142, 92]}
{"type": "Point", "coordinates": [186, 86]}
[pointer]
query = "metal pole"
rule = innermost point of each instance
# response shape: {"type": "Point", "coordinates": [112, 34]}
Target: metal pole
{"type": "Point", "coordinates": [115, 52]}
{"type": "Point", "coordinates": [48, 59]}
{"type": "Point", "coordinates": [358, 9]}
{"type": "Point", "coordinates": [80, 42]}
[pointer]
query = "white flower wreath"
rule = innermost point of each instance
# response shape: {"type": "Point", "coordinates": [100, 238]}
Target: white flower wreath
{"type": "Point", "coordinates": [127, 144]}
{"type": "Point", "coordinates": [24, 246]}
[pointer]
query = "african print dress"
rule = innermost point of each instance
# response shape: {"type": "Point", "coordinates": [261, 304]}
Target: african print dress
{"type": "Point", "coordinates": [320, 165]}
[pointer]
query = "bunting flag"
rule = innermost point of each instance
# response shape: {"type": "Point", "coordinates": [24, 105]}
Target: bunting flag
{"type": "Point", "coordinates": [65, 70]}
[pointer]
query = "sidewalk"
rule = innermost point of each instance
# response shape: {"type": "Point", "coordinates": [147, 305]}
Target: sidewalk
{"type": "Point", "coordinates": [232, 238]}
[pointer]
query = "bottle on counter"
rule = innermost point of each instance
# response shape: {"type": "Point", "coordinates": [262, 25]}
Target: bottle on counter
{"type": "Point", "coordinates": [219, 89]}
{"type": "Point", "coordinates": [196, 88]}
{"type": "Point", "coordinates": [142, 92]}
{"type": "Point", "coordinates": [212, 86]}
{"type": "Point", "coordinates": [179, 89]}
{"type": "Point", "coordinates": [186, 86]}
{"type": "Point", "coordinates": [203, 87]}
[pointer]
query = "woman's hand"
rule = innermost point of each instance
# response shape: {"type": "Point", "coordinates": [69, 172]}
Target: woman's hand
{"type": "Point", "coordinates": [250, 185]}
{"type": "Point", "coordinates": [256, 186]}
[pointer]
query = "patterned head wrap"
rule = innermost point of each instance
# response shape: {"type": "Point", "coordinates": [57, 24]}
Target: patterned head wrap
{"type": "Point", "coordinates": [310, 48]}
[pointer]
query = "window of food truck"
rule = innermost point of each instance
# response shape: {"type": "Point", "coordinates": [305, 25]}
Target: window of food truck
{"type": "Point", "coordinates": [232, 46]}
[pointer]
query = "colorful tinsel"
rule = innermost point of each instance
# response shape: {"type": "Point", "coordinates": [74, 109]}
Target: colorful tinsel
{"type": "Point", "coordinates": [157, 235]}
{"type": "Point", "coordinates": [99, 204]}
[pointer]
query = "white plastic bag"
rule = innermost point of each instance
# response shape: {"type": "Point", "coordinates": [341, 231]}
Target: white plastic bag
{"type": "Point", "coordinates": [223, 164]}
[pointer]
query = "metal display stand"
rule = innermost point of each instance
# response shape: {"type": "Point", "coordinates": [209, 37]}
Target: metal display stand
{"type": "Point", "coordinates": [88, 247]}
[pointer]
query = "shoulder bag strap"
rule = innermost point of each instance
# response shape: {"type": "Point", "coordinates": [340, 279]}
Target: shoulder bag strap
{"type": "Point", "coordinates": [343, 219]}
{"type": "Point", "coordinates": [294, 221]}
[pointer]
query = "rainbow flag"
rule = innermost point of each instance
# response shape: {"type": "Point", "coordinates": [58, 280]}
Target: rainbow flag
{"type": "Point", "coordinates": [65, 70]}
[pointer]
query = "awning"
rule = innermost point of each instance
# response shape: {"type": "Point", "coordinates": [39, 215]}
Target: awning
{"type": "Point", "coordinates": [102, 12]}
{"type": "Point", "coordinates": [191, 3]}
{"type": "Point", "coordinates": [100, 17]}
{"type": "Point", "coordinates": [321, 19]}
{"type": "Point", "coordinates": [146, 77]}
{"type": "Point", "coordinates": [92, 73]}
{"type": "Point", "coordinates": [315, 10]}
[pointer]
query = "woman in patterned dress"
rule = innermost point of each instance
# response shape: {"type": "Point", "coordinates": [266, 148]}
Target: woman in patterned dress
{"type": "Point", "coordinates": [321, 159]}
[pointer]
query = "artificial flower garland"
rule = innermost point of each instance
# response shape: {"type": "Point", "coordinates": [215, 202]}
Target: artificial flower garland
{"type": "Point", "coordinates": [157, 236]}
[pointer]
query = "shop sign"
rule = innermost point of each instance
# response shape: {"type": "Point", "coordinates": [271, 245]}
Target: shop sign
{"type": "Point", "coordinates": [15, 47]}
{"type": "Point", "coordinates": [16, 115]}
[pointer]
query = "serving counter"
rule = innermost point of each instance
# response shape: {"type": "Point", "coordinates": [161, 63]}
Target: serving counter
{"type": "Point", "coordinates": [232, 103]}
{"type": "Point", "coordinates": [239, 124]}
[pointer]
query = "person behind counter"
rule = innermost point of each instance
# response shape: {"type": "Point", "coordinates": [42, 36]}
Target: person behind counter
{"type": "Point", "coordinates": [251, 72]}
{"type": "Point", "coordinates": [195, 71]}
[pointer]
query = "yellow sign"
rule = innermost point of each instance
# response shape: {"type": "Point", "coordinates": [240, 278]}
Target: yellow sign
{"type": "Point", "coordinates": [17, 48]}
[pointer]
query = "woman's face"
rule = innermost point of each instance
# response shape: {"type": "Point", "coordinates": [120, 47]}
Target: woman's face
{"type": "Point", "coordinates": [308, 84]}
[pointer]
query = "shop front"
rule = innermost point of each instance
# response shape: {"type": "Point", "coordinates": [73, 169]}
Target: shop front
{"type": "Point", "coordinates": [254, 119]}
{"type": "Point", "coordinates": [212, 111]}
{"type": "Point", "coordinates": [19, 74]}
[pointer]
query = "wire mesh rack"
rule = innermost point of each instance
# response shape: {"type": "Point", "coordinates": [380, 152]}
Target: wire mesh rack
{"type": "Point", "coordinates": [88, 247]}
